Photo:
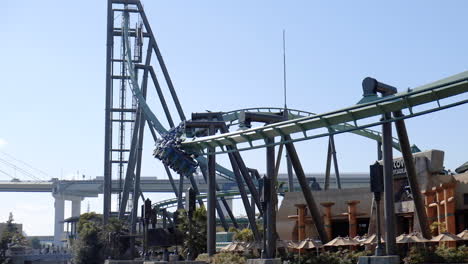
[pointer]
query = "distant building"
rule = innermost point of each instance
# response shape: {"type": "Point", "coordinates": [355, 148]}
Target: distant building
{"type": "Point", "coordinates": [350, 212]}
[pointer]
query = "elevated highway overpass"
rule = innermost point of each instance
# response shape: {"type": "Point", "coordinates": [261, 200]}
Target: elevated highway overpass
{"type": "Point", "coordinates": [76, 190]}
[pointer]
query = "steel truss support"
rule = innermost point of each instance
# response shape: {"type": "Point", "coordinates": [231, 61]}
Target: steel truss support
{"type": "Point", "coordinates": [331, 153]}
{"type": "Point", "coordinates": [219, 210]}
{"type": "Point", "coordinates": [388, 187]}
{"type": "Point", "coordinates": [310, 201]}
{"type": "Point", "coordinates": [211, 200]}
{"type": "Point", "coordinates": [270, 213]}
{"type": "Point", "coordinates": [411, 174]}
{"type": "Point", "coordinates": [249, 209]}
{"type": "Point", "coordinates": [108, 116]}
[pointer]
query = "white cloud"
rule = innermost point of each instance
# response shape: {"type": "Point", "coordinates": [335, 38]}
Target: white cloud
{"type": "Point", "coordinates": [3, 142]}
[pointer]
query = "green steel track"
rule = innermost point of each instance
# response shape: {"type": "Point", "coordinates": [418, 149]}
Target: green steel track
{"type": "Point", "coordinates": [337, 121]}
{"type": "Point", "coordinates": [302, 123]}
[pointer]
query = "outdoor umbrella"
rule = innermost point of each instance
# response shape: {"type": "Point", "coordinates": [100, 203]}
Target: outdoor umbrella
{"type": "Point", "coordinates": [463, 235]}
{"type": "Point", "coordinates": [341, 241]}
{"type": "Point", "coordinates": [234, 246]}
{"type": "Point", "coordinates": [444, 237]}
{"type": "Point", "coordinates": [372, 240]}
{"type": "Point", "coordinates": [255, 245]}
{"type": "Point", "coordinates": [417, 237]}
{"type": "Point", "coordinates": [410, 238]}
{"type": "Point", "coordinates": [309, 243]}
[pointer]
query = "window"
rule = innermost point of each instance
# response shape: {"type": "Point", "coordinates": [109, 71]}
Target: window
{"type": "Point", "coordinates": [465, 198]}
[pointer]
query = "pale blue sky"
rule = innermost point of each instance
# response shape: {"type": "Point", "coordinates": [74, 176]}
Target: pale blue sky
{"type": "Point", "coordinates": [221, 55]}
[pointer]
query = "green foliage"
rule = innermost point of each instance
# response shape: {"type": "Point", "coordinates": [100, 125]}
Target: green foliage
{"type": "Point", "coordinates": [452, 255]}
{"type": "Point", "coordinates": [435, 226]}
{"type": "Point", "coordinates": [96, 242]}
{"type": "Point", "coordinates": [440, 255]}
{"type": "Point", "coordinates": [244, 235]}
{"type": "Point", "coordinates": [203, 257]}
{"type": "Point", "coordinates": [339, 257]}
{"type": "Point", "coordinates": [222, 258]}
{"type": "Point", "coordinates": [195, 234]}
{"type": "Point", "coordinates": [10, 236]}
{"type": "Point", "coordinates": [228, 258]}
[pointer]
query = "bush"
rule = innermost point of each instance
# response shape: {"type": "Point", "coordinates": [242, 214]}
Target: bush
{"type": "Point", "coordinates": [441, 254]}
{"type": "Point", "coordinates": [452, 255]}
{"type": "Point", "coordinates": [204, 257]}
{"type": "Point", "coordinates": [244, 235]}
{"type": "Point", "coordinates": [194, 241]}
{"type": "Point", "coordinates": [338, 257]}
{"type": "Point", "coordinates": [228, 258]}
{"type": "Point", "coordinates": [96, 242]}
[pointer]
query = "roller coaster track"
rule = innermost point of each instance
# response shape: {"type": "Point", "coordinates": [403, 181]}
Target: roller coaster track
{"type": "Point", "coordinates": [230, 116]}
{"type": "Point", "coordinates": [337, 121]}
{"type": "Point", "coordinates": [300, 121]}
{"type": "Point", "coordinates": [173, 202]}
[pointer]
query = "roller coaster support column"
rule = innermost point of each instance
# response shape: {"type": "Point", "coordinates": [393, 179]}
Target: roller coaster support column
{"type": "Point", "coordinates": [371, 87]}
{"type": "Point", "coordinates": [290, 174]}
{"type": "Point", "coordinates": [245, 199]}
{"type": "Point", "coordinates": [296, 164]}
{"type": "Point", "coordinates": [211, 224]}
{"type": "Point", "coordinates": [248, 180]}
{"type": "Point", "coordinates": [108, 125]}
{"type": "Point", "coordinates": [335, 161]}
{"type": "Point", "coordinates": [180, 197]}
{"type": "Point", "coordinates": [270, 213]}
{"type": "Point", "coordinates": [411, 173]}
{"type": "Point", "coordinates": [314, 211]}
{"type": "Point", "coordinates": [388, 187]}
{"type": "Point", "coordinates": [221, 215]}
{"type": "Point", "coordinates": [332, 154]}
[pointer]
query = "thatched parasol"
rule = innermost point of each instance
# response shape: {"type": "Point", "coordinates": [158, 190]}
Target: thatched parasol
{"type": "Point", "coordinates": [279, 244]}
{"type": "Point", "coordinates": [342, 241]}
{"type": "Point", "coordinates": [463, 235]}
{"type": "Point", "coordinates": [372, 240]}
{"type": "Point", "coordinates": [255, 245]}
{"type": "Point", "coordinates": [411, 238]}
{"type": "Point", "coordinates": [443, 237]}
{"type": "Point", "coordinates": [234, 246]}
{"type": "Point", "coordinates": [309, 243]}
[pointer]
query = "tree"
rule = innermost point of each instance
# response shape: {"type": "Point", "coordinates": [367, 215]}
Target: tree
{"type": "Point", "coordinates": [88, 247]}
{"type": "Point", "coordinates": [97, 241]}
{"type": "Point", "coordinates": [194, 241]}
{"type": "Point", "coordinates": [10, 236]}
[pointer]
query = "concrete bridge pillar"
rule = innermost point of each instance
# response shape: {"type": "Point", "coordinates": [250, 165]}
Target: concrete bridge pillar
{"type": "Point", "coordinates": [76, 207]}
{"type": "Point", "coordinates": [59, 216]}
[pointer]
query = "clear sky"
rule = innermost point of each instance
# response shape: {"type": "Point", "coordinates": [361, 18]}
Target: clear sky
{"type": "Point", "coordinates": [221, 55]}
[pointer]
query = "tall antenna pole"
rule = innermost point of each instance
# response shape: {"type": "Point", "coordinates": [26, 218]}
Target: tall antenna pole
{"type": "Point", "coordinates": [284, 66]}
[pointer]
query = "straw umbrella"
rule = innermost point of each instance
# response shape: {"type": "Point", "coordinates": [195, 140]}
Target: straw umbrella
{"type": "Point", "coordinates": [417, 237]}
{"type": "Point", "coordinates": [372, 240]}
{"type": "Point", "coordinates": [445, 237]}
{"type": "Point", "coordinates": [342, 241]}
{"type": "Point", "coordinates": [463, 235]}
{"type": "Point", "coordinates": [254, 245]}
{"type": "Point", "coordinates": [234, 246]}
{"type": "Point", "coordinates": [308, 244]}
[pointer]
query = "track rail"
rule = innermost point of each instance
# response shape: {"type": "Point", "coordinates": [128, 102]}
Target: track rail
{"type": "Point", "coordinates": [302, 127]}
